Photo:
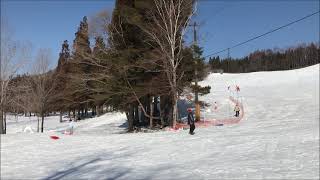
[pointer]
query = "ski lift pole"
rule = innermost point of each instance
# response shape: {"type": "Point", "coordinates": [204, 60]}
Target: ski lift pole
{"type": "Point", "coordinates": [229, 108]}
{"type": "Point", "coordinates": [197, 114]}
{"type": "Point", "coordinates": [204, 117]}
{"type": "Point", "coordinates": [229, 101]}
{"type": "Point", "coordinates": [237, 90]}
{"type": "Point", "coordinates": [197, 100]}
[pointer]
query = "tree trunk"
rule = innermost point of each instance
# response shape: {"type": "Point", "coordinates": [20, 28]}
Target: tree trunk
{"type": "Point", "coordinates": [60, 116]}
{"type": "Point", "coordinates": [136, 114]}
{"type": "Point", "coordinates": [151, 113]}
{"type": "Point", "coordinates": [161, 119]}
{"type": "Point", "coordinates": [42, 121]}
{"type": "Point", "coordinates": [5, 122]}
{"type": "Point", "coordinates": [130, 118]}
{"type": "Point", "coordinates": [170, 115]}
{"type": "Point", "coordinates": [161, 111]}
{"type": "Point", "coordinates": [156, 106]}
{"type": "Point", "coordinates": [74, 114]}
{"type": "Point", "coordinates": [175, 111]}
{"type": "Point", "coordinates": [145, 106]}
{"type": "Point", "coordinates": [69, 115]}
{"type": "Point", "coordinates": [140, 114]}
{"type": "Point", "coordinates": [1, 122]}
{"type": "Point", "coordinates": [175, 98]}
{"type": "Point", "coordinates": [86, 112]}
{"type": "Point", "coordinates": [98, 110]}
{"type": "Point", "coordinates": [93, 111]}
{"type": "Point", "coordinates": [38, 127]}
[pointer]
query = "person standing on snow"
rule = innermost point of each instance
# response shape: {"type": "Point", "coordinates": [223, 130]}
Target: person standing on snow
{"type": "Point", "coordinates": [191, 121]}
{"type": "Point", "coordinates": [237, 110]}
{"type": "Point", "coordinates": [215, 106]}
{"type": "Point", "coordinates": [71, 127]}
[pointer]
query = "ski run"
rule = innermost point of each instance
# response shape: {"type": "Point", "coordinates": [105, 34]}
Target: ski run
{"type": "Point", "coordinates": [277, 138]}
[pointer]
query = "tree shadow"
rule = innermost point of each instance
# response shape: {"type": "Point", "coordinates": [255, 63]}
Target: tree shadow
{"type": "Point", "coordinates": [112, 166]}
{"type": "Point", "coordinates": [94, 168]}
{"type": "Point", "coordinates": [61, 174]}
{"type": "Point", "coordinates": [124, 125]}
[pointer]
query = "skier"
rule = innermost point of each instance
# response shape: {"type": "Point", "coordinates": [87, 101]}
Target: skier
{"type": "Point", "coordinates": [215, 106]}
{"type": "Point", "coordinates": [191, 121]}
{"type": "Point", "coordinates": [237, 110]}
{"type": "Point", "coordinates": [70, 127]}
{"type": "Point", "coordinates": [237, 88]}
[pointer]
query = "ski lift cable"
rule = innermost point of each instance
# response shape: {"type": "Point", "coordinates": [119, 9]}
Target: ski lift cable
{"type": "Point", "coordinates": [271, 31]}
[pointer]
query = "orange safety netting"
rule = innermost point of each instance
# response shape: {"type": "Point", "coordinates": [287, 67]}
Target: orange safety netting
{"type": "Point", "coordinates": [215, 122]}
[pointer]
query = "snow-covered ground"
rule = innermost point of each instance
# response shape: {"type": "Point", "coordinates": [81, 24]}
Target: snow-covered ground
{"type": "Point", "coordinates": [109, 123]}
{"type": "Point", "coordinates": [278, 138]}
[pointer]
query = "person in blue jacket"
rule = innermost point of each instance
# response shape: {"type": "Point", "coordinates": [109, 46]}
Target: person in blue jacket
{"type": "Point", "coordinates": [191, 121]}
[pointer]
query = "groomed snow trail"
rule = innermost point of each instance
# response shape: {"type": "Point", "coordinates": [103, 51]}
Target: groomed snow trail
{"type": "Point", "coordinates": [278, 138]}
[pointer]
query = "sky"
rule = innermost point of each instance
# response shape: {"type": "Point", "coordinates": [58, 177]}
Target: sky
{"type": "Point", "coordinates": [46, 24]}
{"type": "Point", "coordinates": [226, 23]}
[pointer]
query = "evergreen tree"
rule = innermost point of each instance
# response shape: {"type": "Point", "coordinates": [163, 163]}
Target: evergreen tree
{"type": "Point", "coordinates": [61, 74]}
{"type": "Point", "coordinates": [271, 60]}
{"type": "Point", "coordinates": [199, 66]}
{"type": "Point", "coordinates": [79, 86]}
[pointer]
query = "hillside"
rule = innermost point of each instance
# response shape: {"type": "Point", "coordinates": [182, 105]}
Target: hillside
{"type": "Point", "coordinates": [278, 137]}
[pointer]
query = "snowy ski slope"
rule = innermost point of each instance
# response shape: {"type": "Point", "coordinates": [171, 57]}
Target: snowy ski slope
{"type": "Point", "coordinates": [278, 138]}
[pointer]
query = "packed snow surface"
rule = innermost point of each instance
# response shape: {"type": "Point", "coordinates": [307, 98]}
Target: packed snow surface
{"type": "Point", "coordinates": [278, 137]}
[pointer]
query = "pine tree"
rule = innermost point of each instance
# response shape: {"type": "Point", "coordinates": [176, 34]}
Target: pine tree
{"type": "Point", "coordinates": [61, 74]}
{"type": "Point", "coordinates": [200, 66]}
{"type": "Point", "coordinates": [79, 86]}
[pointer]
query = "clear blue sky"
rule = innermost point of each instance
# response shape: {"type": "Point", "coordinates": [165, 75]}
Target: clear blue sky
{"type": "Point", "coordinates": [47, 23]}
{"type": "Point", "coordinates": [226, 23]}
{"type": "Point", "coordinates": [223, 23]}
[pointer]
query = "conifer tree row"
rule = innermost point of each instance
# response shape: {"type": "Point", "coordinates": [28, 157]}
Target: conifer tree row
{"type": "Point", "coordinates": [130, 74]}
{"type": "Point", "coordinates": [270, 60]}
{"type": "Point", "coordinates": [126, 71]}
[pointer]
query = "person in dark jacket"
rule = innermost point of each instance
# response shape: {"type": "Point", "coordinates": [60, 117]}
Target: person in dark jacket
{"type": "Point", "coordinates": [237, 110]}
{"type": "Point", "coordinates": [191, 121]}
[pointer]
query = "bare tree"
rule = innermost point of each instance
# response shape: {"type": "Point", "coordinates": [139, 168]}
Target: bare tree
{"type": "Point", "coordinates": [98, 24]}
{"type": "Point", "coordinates": [169, 23]}
{"type": "Point", "coordinates": [18, 95]}
{"type": "Point", "coordinates": [42, 84]}
{"type": "Point", "coordinates": [13, 56]}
